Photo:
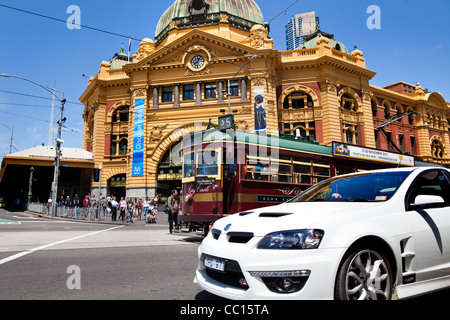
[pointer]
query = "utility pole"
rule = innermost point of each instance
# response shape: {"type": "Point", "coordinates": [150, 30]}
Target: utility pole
{"type": "Point", "coordinates": [59, 141]}
{"type": "Point", "coordinates": [52, 116]}
{"type": "Point", "coordinates": [100, 192]}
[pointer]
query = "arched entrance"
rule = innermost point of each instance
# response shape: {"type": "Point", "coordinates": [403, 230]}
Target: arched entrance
{"type": "Point", "coordinates": [169, 171]}
{"type": "Point", "coordinates": [117, 186]}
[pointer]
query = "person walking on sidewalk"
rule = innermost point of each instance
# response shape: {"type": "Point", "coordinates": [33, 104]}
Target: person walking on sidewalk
{"type": "Point", "coordinates": [114, 206]}
{"type": "Point", "coordinates": [123, 207]}
{"type": "Point", "coordinates": [172, 203]}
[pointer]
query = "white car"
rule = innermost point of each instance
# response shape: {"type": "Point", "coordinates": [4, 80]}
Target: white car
{"type": "Point", "coordinates": [374, 235]}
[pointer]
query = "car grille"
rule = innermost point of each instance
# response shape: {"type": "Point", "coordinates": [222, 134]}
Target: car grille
{"type": "Point", "coordinates": [239, 237]}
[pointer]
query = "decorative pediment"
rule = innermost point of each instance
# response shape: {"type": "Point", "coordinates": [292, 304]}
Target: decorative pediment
{"type": "Point", "coordinates": [215, 48]}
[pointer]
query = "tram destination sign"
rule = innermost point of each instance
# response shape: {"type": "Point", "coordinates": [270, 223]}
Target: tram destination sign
{"type": "Point", "coordinates": [205, 181]}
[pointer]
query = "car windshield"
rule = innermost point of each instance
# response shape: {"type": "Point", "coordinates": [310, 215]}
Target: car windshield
{"type": "Point", "coordinates": [365, 187]}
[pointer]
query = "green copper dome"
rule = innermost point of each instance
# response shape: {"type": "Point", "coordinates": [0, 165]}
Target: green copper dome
{"type": "Point", "coordinates": [310, 41]}
{"type": "Point", "coordinates": [197, 13]}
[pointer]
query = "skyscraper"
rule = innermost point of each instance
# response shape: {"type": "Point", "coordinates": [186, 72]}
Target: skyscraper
{"type": "Point", "coordinates": [299, 26]}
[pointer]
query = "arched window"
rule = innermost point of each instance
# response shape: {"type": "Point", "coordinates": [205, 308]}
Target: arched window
{"type": "Point", "coordinates": [374, 107]}
{"type": "Point", "coordinates": [122, 114]}
{"type": "Point", "coordinates": [387, 110]}
{"type": "Point", "coordinates": [307, 130]}
{"type": "Point", "coordinates": [348, 103]}
{"type": "Point", "coordinates": [351, 134]}
{"type": "Point", "coordinates": [298, 100]}
{"type": "Point", "coordinates": [410, 117]}
{"type": "Point", "coordinates": [399, 110]}
{"type": "Point", "coordinates": [119, 145]}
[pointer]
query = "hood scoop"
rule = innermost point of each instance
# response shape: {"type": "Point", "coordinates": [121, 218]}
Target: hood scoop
{"type": "Point", "coordinates": [273, 214]}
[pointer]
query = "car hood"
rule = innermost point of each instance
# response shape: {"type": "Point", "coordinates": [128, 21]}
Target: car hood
{"type": "Point", "coordinates": [291, 216]}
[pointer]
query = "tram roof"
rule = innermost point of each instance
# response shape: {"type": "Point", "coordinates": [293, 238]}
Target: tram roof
{"type": "Point", "coordinates": [281, 142]}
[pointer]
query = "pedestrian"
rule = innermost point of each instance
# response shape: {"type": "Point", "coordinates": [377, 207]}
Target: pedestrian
{"type": "Point", "coordinates": [172, 203]}
{"type": "Point", "coordinates": [130, 208]}
{"type": "Point", "coordinates": [93, 201]}
{"type": "Point", "coordinates": [122, 207]}
{"type": "Point", "coordinates": [146, 207]}
{"type": "Point", "coordinates": [61, 201]}
{"type": "Point", "coordinates": [108, 200]}
{"type": "Point", "coordinates": [152, 212]}
{"type": "Point", "coordinates": [67, 202]}
{"type": "Point", "coordinates": [103, 204]}
{"type": "Point", "coordinates": [49, 205]}
{"type": "Point", "coordinates": [139, 207]}
{"type": "Point", "coordinates": [86, 201]}
{"type": "Point", "coordinates": [114, 206]}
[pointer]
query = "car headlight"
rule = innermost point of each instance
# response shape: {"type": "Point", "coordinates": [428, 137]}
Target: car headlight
{"type": "Point", "coordinates": [292, 239]}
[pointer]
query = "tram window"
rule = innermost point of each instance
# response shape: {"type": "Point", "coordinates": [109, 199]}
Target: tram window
{"type": "Point", "coordinates": [301, 178]}
{"type": "Point", "coordinates": [281, 172]}
{"type": "Point", "coordinates": [257, 169]}
{"type": "Point", "coordinates": [188, 163]}
{"type": "Point", "coordinates": [207, 163]}
{"type": "Point", "coordinates": [284, 157]}
{"type": "Point", "coordinates": [302, 159]}
{"type": "Point", "coordinates": [320, 174]}
{"type": "Point", "coordinates": [320, 161]}
{"type": "Point", "coordinates": [207, 170]}
{"type": "Point", "coordinates": [302, 173]}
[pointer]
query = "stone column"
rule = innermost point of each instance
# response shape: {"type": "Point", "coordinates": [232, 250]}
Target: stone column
{"type": "Point", "coordinates": [369, 133]}
{"type": "Point", "coordinates": [330, 112]}
{"type": "Point", "coordinates": [176, 95]}
{"type": "Point", "coordinates": [243, 88]}
{"type": "Point", "coordinates": [155, 97]}
{"type": "Point", "coordinates": [221, 95]}
{"type": "Point", "coordinates": [198, 93]}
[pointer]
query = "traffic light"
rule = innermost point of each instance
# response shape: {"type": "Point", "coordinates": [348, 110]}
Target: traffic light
{"type": "Point", "coordinates": [96, 175]}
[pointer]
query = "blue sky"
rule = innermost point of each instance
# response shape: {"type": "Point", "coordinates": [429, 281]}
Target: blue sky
{"type": "Point", "coordinates": [412, 45]}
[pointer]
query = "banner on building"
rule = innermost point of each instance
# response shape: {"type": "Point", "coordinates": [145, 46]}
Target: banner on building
{"type": "Point", "coordinates": [351, 151]}
{"type": "Point", "coordinates": [260, 111]}
{"type": "Point", "coordinates": [138, 138]}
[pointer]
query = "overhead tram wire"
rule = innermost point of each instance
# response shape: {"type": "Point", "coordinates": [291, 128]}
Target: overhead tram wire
{"type": "Point", "coordinates": [135, 39]}
{"type": "Point", "coordinates": [121, 35]}
{"type": "Point", "coordinates": [38, 97]}
{"type": "Point", "coordinates": [86, 27]}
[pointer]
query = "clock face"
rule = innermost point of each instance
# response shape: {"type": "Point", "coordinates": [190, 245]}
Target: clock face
{"type": "Point", "coordinates": [197, 62]}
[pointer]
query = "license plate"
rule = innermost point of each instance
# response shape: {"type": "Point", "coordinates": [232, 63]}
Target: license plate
{"type": "Point", "coordinates": [215, 264]}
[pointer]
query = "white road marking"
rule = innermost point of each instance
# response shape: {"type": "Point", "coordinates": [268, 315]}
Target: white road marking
{"type": "Point", "coordinates": [21, 254]}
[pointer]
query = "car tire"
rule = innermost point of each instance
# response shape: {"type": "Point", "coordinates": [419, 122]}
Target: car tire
{"type": "Point", "coordinates": [365, 274]}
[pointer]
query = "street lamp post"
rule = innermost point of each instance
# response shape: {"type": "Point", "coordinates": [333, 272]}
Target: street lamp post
{"type": "Point", "coordinates": [229, 81]}
{"type": "Point", "coordinates": [59, 141]}
{"type": "Point", "coordinates": [12, 132]}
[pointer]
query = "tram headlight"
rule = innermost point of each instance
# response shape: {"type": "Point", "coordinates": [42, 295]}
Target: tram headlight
{"type": "Point", "coordinates": [292, 239]}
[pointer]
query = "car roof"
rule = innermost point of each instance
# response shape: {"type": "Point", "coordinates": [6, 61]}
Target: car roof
{"type": "Point", "coordinates": [402, 169]}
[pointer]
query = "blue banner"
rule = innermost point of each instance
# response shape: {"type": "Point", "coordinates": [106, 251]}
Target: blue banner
{"type": "Point", "coordinates": [138, 139]}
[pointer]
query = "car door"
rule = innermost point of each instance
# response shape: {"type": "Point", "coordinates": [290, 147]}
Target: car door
{"type": "Point", "coordinates": [430, 225]}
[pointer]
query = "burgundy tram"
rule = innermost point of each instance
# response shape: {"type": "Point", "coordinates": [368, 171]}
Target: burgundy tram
{"type": "Point", "coordinates": [230, 172]}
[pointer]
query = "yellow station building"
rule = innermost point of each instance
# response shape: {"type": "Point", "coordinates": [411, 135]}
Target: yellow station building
{"type": "Point", "coordinates": [177, 82]}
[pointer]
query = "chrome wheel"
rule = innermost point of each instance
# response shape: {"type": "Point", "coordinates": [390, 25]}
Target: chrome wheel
{"type": "Point", "coordinates": [367, 277]}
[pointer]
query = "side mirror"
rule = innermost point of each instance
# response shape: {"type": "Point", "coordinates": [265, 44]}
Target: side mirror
{"type": "Point", "coordinates": [427, 202]}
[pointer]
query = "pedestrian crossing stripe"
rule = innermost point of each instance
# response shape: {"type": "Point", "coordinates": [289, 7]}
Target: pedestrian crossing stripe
{"type": "Point", "coordinates": [8, 222]}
